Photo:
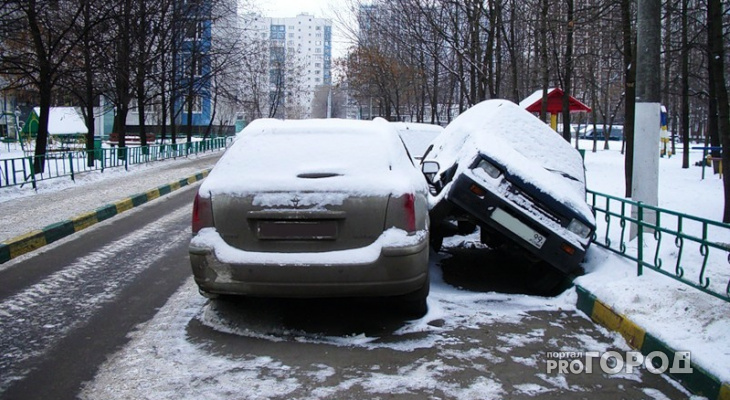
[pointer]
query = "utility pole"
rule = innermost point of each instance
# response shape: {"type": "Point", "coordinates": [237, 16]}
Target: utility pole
{"type": "Point", "coordinates": [645, 177]}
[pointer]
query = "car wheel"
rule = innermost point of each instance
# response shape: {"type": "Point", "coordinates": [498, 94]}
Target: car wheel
{"type": "Point", "coordinates": [414, 305]}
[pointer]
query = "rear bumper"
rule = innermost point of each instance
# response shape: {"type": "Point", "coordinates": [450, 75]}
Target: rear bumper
{"type": "Point", "coordinates": [517, 224]}
{"type": "Point", "coordinates": [385, 268]}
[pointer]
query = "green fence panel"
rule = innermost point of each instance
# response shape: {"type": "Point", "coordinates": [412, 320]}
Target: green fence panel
{"type": "Point", "coordinates": [650, 235]}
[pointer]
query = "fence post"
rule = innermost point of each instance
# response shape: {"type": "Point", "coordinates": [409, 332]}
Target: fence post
{"type": "Point", "coordinates": [71, 166]}
{"type": "Point", "coordinates": [640, 242]}
{"type": "Point", "coordinates": [32, 172]}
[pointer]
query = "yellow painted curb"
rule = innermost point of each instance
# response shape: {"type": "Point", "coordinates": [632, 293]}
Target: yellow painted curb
{"type": "Point", "coordinates": [174, 186]}
{"type": "Point", "coordinates": [26, 243]}
{"type": "Point", "coordinates": [124, 205]}
{"type": "Point", "coordinates": [153, 194]}
{"type": "Point", "coordinates": [724, 392]}
{"type": "Point", "coordinates": [84, 221]}
{"type": "Point", "coordinates": [605, 316]}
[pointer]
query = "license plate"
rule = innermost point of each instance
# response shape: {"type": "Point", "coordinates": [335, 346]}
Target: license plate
{"type": "Point", "coordinates": [518, 228]}
{"type": "Point", "coordinates": [297, 230]}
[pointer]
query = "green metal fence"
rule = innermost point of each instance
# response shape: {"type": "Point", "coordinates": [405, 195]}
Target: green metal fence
{"type": "Point", "coordinates": [692, 250]}
{"type": "Point", "coordinates": [57, 164]}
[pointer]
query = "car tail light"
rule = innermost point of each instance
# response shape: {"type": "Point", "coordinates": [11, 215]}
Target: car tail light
{"type": "Point", "coordinates": [410, 209]}
{"type": "Point", "coordinates": [568, 248]}
{"type": "Point", "coordinates": [202, 213]}
{"type": "Point", "coordinates": [478, 190]}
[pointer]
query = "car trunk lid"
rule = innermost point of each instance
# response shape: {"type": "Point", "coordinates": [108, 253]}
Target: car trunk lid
{"type": "Point", "coordinates": [299, 221]}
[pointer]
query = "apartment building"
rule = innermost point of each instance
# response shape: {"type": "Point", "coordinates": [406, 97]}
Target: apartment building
{"type": "Point", "coordinates": [300, 60]}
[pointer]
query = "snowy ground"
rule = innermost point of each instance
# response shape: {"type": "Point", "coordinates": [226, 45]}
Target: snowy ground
{"type": "Point", "coordinates": [681, 316]}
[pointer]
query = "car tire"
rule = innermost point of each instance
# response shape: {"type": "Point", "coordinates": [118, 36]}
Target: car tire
{"type": "Point", "coordinates": [414, 305]}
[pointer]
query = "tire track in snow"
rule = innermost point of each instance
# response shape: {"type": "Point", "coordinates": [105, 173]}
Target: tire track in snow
{"type": "Point", "coordinates": [35, 319]}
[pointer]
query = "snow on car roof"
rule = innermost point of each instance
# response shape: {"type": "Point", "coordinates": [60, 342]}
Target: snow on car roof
{"type": "Point", "coordinates": [520, 142]}
{"type": "Point", "coordinates": [315, 155]}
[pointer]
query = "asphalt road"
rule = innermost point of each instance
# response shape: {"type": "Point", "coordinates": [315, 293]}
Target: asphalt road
{"type": "Point", "coordinates": [66, 309]}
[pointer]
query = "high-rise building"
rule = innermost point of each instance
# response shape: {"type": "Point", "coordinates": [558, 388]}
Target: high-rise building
{"type": "Point", "coordinates": [300, 60]}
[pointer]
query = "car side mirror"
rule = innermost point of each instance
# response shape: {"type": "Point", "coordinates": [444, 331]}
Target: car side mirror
{"type": "Point", "coordinates": [430, 169]}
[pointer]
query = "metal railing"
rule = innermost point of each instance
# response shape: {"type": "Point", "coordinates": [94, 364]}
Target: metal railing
{"type": "Point", "coordinates": [677, 245]}
{"type": "Point", "coordinates": [57, 164]}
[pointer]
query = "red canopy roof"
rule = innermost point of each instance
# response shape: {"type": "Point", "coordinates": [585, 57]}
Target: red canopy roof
{"type": "Point", "coordinates": [554, 102]}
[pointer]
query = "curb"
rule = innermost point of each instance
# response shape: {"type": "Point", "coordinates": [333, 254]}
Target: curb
{"type": "Point", "coordinates": [34, 240]}
{"type": "Point", "coordinates": [698, 381]}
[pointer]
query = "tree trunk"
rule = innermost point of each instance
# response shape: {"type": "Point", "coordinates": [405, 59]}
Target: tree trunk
{"type": "Point", "coordinates": [717, 57]}
{"type": "Point", "coordinates": [544, 56]}
{"type": "Point", "coordinates": [630, 82]}
{"type": "Point", "coordinates": [568, 73]}
{"type": "Point", "coordinates": [45, 86]}
{"type": "Point", "coordinates": [684, 107]}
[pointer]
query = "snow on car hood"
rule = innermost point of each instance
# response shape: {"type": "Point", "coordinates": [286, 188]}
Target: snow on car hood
{"type": "Point", "coordinates": [521, 143]}
{"type": "Point", "coordinates": [344, 156]}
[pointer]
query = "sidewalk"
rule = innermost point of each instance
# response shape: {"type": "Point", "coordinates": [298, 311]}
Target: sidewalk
{"type": "Point", "coordinates": [656, 314]}
{"type": "Point", "coordinates": [52, 212]}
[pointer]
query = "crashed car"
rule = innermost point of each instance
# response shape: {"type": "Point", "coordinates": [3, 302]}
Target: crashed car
{"type": "Point", "coordinates": [499, 167]}
{"type": "Point", "coordinates": [313, 208]}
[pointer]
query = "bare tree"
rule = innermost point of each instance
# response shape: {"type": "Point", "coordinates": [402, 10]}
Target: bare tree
{"type": "Point", "coordinates": [36, 53]}
{"type": "Point", "coordinates": [716, 47]}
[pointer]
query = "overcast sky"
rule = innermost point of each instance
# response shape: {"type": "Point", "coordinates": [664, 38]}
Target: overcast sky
{"type": "Point", "coordinates": [291, 8]}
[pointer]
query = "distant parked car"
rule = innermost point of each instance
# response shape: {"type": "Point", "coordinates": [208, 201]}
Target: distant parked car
{"type": "Point", "coordinates": [417, 136]}
{"type": "Point", "coordinates": [313, 208]}
{"type": "Point", "coordinates": [615, 132]}
{"type": "Point", "coordinates": [499, 167]}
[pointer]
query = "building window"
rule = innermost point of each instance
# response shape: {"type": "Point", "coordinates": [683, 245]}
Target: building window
{"type": "Point", "coordinates": [194, 30]}
{"type": "Point", "coordinates": [278, 32]}
{"type": "Point", "coordinates": [197, 105]}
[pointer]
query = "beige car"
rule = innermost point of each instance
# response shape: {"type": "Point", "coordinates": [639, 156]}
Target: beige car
{"type": "Point", "coordinates": [314, 208]}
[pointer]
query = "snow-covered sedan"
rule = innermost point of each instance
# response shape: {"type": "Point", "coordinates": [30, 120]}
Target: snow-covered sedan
{"type": "Point", "coordinates": [313, 208]}
{"type": "Point", "coordinates": [499, 167]}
